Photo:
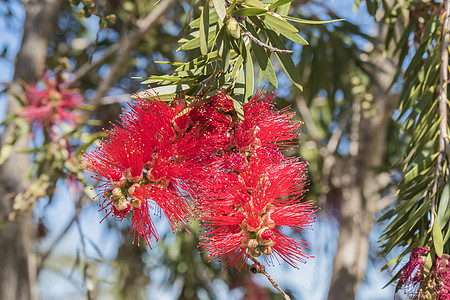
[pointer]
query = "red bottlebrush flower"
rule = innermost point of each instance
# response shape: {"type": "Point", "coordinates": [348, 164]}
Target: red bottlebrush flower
{"type": "Point", "coordinates": [244, 212]}
{"type": "Point", "coordinates": [431, 284]}
{"type": "Point", "coordinates": [50, 105]}
{"type": "Point", "coordinates": [412, 272]}
{"type": "Point", "coordinates": [147, 158]}
{"type": "Point", "coordinates": [263, 125]}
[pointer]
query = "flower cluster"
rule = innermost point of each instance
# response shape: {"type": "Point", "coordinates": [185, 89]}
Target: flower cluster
{"type": "Point", "coordinates": [431, 284]}
{"type": "Point", "coordinates": [243, 189]}
{"type": "Point", "coordinates": [148, 158]}
{"type": "Point", "coordinates": [50, 105]}
{"type": "Point", "coordinates": [253, 190]}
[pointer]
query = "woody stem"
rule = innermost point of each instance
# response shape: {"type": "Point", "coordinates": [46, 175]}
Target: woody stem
{"type": "Point", "coordinates": [259, 268]}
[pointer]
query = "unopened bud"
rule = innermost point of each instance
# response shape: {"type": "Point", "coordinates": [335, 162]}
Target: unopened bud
{"type": "Point", "coordinates": [132, 189]}
{"type": "Point", "coordinates": [136, 203]}
{"type": "Point", "coordinates": [111, 19]}
{"type": "Point", "coordinates": [117, 192]}
{"type": "Point", "coordinates": [233, 28]}
{"type": "Point", "coordinates": [265, 234]}
{"type": "Point", "coordinates": [254, 252]}
{"type": "Point", "coordinates": [267, 250]}
{"type": "Point", "coordinates": [122, 205]}
{"type": "Point", "coordinates": [133, 178]}
{"type": "Point", "coordinates": [252, 244]}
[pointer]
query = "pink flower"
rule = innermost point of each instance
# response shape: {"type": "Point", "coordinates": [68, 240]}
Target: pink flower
{"type": "Point", "coordinates": [50, 105]}
{"type": "Point", "coordinates": [431, 284]}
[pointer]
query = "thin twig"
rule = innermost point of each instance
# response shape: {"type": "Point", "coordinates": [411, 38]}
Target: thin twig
{"type": "Point", "coordinates": [258, 42]}
{"type": "Point", "coordinates": [90, 65]}
{"type": "Point", "coordinates": [258, 268]}
{"type": "Point", "coordinates": [443, 81]}
{"type": "Point", "coordinates": [127, 44]}
{"type": "Point", "coordinates": [57, 240]}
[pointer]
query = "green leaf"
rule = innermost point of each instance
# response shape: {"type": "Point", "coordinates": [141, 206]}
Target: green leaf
{"type": "Point", "coordinates": [263, 59]}
{"type": "Point", "coordinates": [249, 76]}
{"type": "Point", "coordinates": [428, 263]}
{"type": "Point", "coordinates": [255, 3]}
{"type": "Point", "coordinates": [162, 90]}
{"type": "Point", "coordinates": [420, 169]}
{"type": "Point", "coordinates": [443, 208]}
{"type": "Point", "coordinates": [279, 25]}
{"type": "Point", "coordinates": [239, 109]}
{"type": "Point", "coordinates": [5, 152]}
{"type": "Point", "coordinates": [279, 3]}
{"type": "Point", "coordinates": [296, 38]}
{"type": "Point", "coordinates": [438, 241]}
{"type": "Point", "coordinates": [239, 88]}
{"type": "Point", "coordinates": [283, 9]}
{"type": "Point", "coordinates": [204, 29]}
{"type": "Point", "coordinates": [431, 26]}
{"type": "Point", "coordinates": [213, 18]}
{"type": "Point", "coordinates": [194, 43]}
{"type": "Point", "coordinates": [232, 6]}
{"type": "Point", "coordinates": [250, 11]}
{"type": "Point", "coordinates": [236, 66]}
{"type": "Point", "coordinates": [219, 6]}
{"type": "Point", "coordinates": [310, 22]}
{"type": "Point", "coordinates": [285, 59]}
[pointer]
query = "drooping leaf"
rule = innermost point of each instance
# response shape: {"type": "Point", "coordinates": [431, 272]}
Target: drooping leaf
{"type": "Point", "coordinates": [443, 213]}
{"type": "Point", "coordinates": [310, 22]}
{"type": "Point", "coordinates": [204, 29]}
{"type": "Point", "coordinates": [285, 59]}
{"type": "Point", "coordinates": [280, 25]}
{"type": "Point", "coordinates": [163, 90]}
{"type": "Point", "coordinates": [438, 241]}
{"type": "Point", "coordinates": [279, 3]}
{"type": "Point", "coordinates": [219, 6]}
{"type": "Point", "coordinates": [249, 76]}
{"type": "Point", "coordinates": [263, 59]}
{"type": "Point", "coordinates": [250, 11]}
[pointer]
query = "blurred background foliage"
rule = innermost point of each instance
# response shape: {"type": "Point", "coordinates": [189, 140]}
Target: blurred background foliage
{"type": "Point", "coordinates": [366, 89]}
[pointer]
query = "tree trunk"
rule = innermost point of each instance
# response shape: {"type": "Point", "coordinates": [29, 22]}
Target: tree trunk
{"type": "Point", "coordinates": [18, 268]}
{"type": "Point", "coordinates": [360, 186]}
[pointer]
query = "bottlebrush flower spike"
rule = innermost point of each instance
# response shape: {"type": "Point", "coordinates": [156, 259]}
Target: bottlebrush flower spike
{"type": "Point", "coordinates": [50, 105]}
{"type": "Point", "coordinates": [252, 190]}
{"type": "Point", "coordinates": [243, 212]}
{"type": "Point", "coordinates": [434, 284]}
{"type": "Point", "coordinates": [146, 162]}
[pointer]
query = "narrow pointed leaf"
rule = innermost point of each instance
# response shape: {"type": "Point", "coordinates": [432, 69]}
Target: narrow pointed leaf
{"type": "Point", "coordinates": [250, 11]}
{"type": "Point", "coordinates": [263, 59]}
{"type": "Point", "coordinates": [279, 3]}
{"type": "Point", "coordinates": [255, 3]}
{"type": "Point", "coordinates": [310, 22]}
{"type": "Point", "coordinates": [239, 88]}
{"type": "Point", "coordinates": [285, 59]}
{"type": "Point", "coordinates": [249, 76]}
{"type": "Point", "coordinates": [232, 6]}
{"type": "Point", "coordinates": [444, 208]}
{"type": "Point", "coordinates": [278, 24]}
{"type": "Point", "coordinates": [219, 6]}
{"type": "Point", "coordinates": [438, 240]}
{"type": "Point", "coordinates": [204, 28]}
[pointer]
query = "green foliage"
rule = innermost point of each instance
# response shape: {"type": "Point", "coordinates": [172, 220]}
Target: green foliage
{"type": "Point", "coordinates": [228, 40]}
{"type": "Point", "coordinates": [420, 216]}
